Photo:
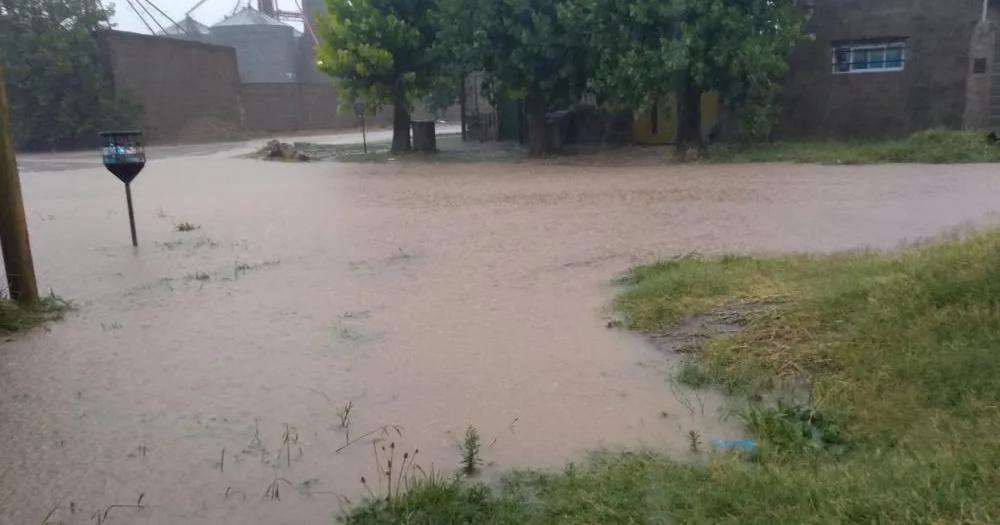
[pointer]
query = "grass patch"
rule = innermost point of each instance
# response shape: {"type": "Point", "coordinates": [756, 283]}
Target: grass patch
{"type": "Point", "coordinates": [692, 375]}
{"type": "Point", "coordinates": [18, 318]}
{"type": "Point", "coordinates": [934, 146]}
{"type": "Point", "coordinates": [899, 353]}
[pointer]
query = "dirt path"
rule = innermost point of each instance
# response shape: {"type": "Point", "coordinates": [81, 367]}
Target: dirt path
{"type": "Point", "coordinates": [432, 297]}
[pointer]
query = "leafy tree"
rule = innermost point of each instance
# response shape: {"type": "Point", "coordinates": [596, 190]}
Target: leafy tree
{"type": "Point", "coordinates": [378, 50]}
{"type": "Point", "coordinates": [454, 50]}
{"type": "Point", "coordinates": [527, 48]}
{"type": "Point", "coordinates": [644, 49]}
{"type": "Point", "coordinates": [59, 95]}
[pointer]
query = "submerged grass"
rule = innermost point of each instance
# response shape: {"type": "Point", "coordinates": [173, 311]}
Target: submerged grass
{"type": "Point", "coordinates": [934, 146]}
{"type": "Point", "coordinates": [16, 318]}
{"type": "Point", "coordinates": [898, 352]}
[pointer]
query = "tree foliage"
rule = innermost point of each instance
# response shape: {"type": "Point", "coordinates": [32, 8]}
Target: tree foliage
{"type": "Point", "coordinates": [529, 49]}
{"type": "Point", "coordinates": [379, 52]}
{"type": "Point", "coordinates": [628, 54]}
{"type": "Point", "coordinates": [645, 48]}
{"type": "Point", "coordinates": [59, 94]}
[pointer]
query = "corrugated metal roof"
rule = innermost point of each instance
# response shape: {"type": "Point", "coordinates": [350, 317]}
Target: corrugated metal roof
{"type": "Point", "coordinates": [187, 26]}
{"type": "Point", "coordinates": [249, 16]}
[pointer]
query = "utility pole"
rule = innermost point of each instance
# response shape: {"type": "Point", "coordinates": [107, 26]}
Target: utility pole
{"type": "Point", "coordinates": [13, 230]}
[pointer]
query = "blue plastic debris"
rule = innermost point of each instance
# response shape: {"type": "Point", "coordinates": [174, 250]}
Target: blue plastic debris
{"type": "Point", "coordinates": [734, 444]}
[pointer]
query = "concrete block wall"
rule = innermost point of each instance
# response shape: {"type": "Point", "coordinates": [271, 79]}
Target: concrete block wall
{"type": "Point", "coordinates": [929, 92]}
{"type": "Point", "coordinates": [980, 84]}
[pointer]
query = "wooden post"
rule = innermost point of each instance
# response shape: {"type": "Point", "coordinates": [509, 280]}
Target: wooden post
{"type": "Point", "coordinates": [13, 229]}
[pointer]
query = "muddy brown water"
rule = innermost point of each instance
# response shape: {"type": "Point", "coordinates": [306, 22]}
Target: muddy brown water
{"type": "Point", "coordinates": [432, 296]}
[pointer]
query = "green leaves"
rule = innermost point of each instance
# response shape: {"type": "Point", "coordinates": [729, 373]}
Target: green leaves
{"type": "Point", "coordinates": [643, 48]}
{"type": "Point", "coordinates": [378, 50]}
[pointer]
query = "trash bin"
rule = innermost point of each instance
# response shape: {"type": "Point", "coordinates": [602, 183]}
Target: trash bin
{"type": "Point", "coordinates": [424, 136]}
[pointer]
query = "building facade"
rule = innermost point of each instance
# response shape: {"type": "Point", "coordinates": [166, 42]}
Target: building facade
{"type": "Point", "coordinates": [891, 67]}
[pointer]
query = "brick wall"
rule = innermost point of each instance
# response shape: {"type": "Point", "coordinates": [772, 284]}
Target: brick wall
{"type": "Point", "coordinates": [296, 107]}
{"type": "Point", "coordinates": [931, 91]}
{"type": "Point", "coordinates": [188, 90]}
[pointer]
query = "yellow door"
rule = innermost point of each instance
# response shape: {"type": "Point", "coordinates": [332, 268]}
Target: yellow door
{"type": "Point", "coordinates": [658, 124]}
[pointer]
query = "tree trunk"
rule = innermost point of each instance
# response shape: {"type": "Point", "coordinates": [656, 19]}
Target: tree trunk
{"type": "Point", "coordinates": [537, 140]}
{"type": "Point", "coordinates": [461, 105]}
{"type": "Point", "coordinates": [400, 128]}
{"type": "Point", "coordinates": [689, 118]}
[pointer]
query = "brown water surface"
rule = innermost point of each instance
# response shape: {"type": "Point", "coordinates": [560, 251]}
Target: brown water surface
{"type": "Point", "coordinates": [432, 296]}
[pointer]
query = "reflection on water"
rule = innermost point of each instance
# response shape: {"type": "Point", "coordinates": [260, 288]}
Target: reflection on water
{"type": "Point", "coordinates": [207, 366]}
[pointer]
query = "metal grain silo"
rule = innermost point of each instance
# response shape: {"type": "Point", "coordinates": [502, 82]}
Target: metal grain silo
{"type": "Point", "coordinates": [266, 49]}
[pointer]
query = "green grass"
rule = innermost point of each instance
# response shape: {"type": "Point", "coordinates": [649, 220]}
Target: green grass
{"type": "Point", "coordinates": [18, 318]}
{"type": "Point", "coordinates": [934, 146]}
{"type": "Point", "coordinates": [899, 353]}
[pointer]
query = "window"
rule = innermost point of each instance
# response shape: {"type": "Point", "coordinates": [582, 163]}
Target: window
{"type": "Point", "coordinates": [869, 57]}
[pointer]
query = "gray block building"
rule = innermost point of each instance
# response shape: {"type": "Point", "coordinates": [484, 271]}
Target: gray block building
{"type": "Point", "coordinates": [892, 67]}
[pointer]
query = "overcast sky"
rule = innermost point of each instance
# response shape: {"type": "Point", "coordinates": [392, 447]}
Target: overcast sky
{"type": "Point", "coordinates": [208, 13]}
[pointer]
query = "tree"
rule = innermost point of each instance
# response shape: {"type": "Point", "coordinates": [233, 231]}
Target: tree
{"type": "Point", "coordinates": [644, 49]}
{"type": "Point", "coordinates": [59, 94]}
{"type": "Point", "coordinates": [454, 49]}
{"type": "Point", "coordinates": [378, 52]}
{"type": "Point", "coordinates": [527, 48]}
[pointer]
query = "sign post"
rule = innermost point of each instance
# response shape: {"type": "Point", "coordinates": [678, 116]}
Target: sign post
{"type": "Point", "coordinates": [124, 156]}
{"type": "Point", "coordinates": [17, 262]}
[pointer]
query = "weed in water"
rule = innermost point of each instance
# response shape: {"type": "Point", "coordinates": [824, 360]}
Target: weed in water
{"type": "Point", "coordinates": [170, 245]}
{"type": "Point", "coordinates": [230, 491]}
{"type": "Point", "coordinates": [198, 276]}
{"type": "Point", "coordinates": [205, 242]}
{"type": "Point", "coordinates": [273, 491]}
{"type": "Point", "coordinates": [694, 440]}
{"type": "Point", "coordinates": [471, 461]}
{"type": "Point", "coordinates": [240, 268]}
{"type": "Point", "coordinates": [384, 430]}
{"type": "Point", "coordinates": [101, 516]}
{"type": "Point", "coordinates": [345, 419]}
{"type": "Point", "coordinates": [15, 317]}
{"type": "Point", "coordinates": [395, 474]}
{"type": "Point", "coordinates": [187, 227]}
{"type": "Point", "coordinates": [289, 439]}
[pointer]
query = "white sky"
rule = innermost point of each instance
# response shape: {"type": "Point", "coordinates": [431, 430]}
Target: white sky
{"type": "Point", "coordinates": [209, 13]}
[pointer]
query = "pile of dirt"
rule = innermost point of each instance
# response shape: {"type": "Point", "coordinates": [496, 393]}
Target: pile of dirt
{"type": "Point", "coordinates": [277, 150]}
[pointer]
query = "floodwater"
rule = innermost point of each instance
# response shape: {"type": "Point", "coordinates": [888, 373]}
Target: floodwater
{"type": "Point", "coordinates": [430, 296]}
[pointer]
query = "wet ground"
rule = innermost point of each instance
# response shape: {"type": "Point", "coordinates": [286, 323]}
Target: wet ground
{"type": "Point", "coordinates": [430, 296]}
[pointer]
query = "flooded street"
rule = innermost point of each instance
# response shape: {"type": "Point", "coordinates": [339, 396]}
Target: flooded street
{"type": "Point", "coordinates": [429, 296]}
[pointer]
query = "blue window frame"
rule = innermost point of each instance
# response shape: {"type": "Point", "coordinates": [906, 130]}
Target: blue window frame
{"type": "Point", "coordinates": [869, 57]}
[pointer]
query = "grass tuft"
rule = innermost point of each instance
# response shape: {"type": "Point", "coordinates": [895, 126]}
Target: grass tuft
{"type": "Point", "coordinates": [187, 227]}
{"type": "Point", "coordinates": [15, 317]}
{"type": "Point", "coordinates": [471, 461]}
